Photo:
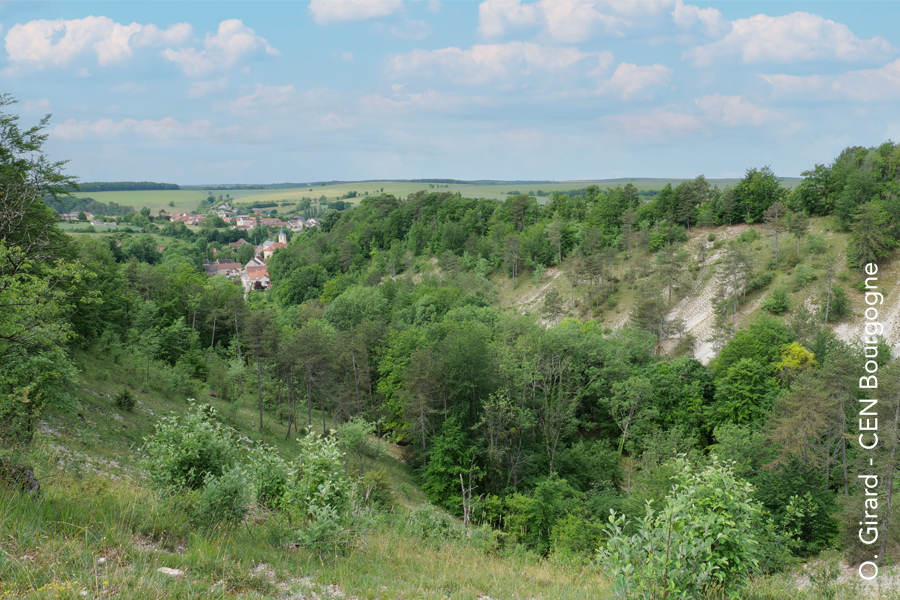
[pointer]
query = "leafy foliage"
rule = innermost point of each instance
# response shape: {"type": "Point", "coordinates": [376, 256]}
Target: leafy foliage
{"type": "Point", "coordinates": [704, 540]}
{"type": "Point", "coordinates": [184, 452]}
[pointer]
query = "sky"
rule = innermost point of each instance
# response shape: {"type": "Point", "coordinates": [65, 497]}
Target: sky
{"type": "Point", "coordinates": [266, 92]}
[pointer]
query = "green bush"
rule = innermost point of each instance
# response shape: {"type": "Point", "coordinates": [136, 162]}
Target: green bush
{"type": "Point", "coordinates": [317, 497]}
{"type": "Point", "coordinates": [224, 499]}
{"type": "Point", "coordinates": [711, 237]}
{"type": "Point", "coordinates": [703, 542]}
{"type": "Point", "coordinates": [838, 307]}
{"type": "Point", "coordinates": [125, 400]}
{"type": "Point", "coordinates": [185, 452]}
{"type": "Point", "coordinates": [357, 439]}
{"type": "Point", "coordinates": [760, 280]}
{"type": "Point", "coordinates": [269, 475]}
{"type": "Point", "coordinates": [777, 301]}
{"type": "Point", "coordinates": [803, 274]}
{"type": "Point", "coordinates": [816, 244]}
{"type": "Point", "coordinates": [751, 235]}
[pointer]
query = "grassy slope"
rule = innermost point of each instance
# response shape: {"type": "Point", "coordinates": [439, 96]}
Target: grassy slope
{"type": "Point", "coordinates": [97, 504]}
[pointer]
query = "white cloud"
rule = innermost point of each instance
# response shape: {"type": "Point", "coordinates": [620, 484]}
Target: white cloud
{"type": "Point", "coordinates": [629, 79]}
{"type": "Point", "coordinates": [43, 43]}
{"type": "Point", "coordinates": [232, 42]}
{"type": "Point", "coordinates": [687, 16]}
{"type": "Point", "coordinates": [569, 20]}
{"type": "Point", "coordinates": [164, 129]}
{"type": "Point", "coordinates": [654, 124]}
{"type": "Point", "coordinates": [204, 88]}
{"type": "Point", "coordinates": [411, 29]}
{"type": "Point", "coordinates": [33, 104]}
{"type": "Point", "coordinates": [866, 85]}
{"type": "Point", "coordinates": [264, 96]}
{"type": "Point", "coordinates": [334, 11]}
{"type": "Point", "coordinates": [798, 36]}
{"type": "Point", "coordinates": [496, 63]}
{"type": "Point", "coordinates": [175, 35]}
{"type": "Point", "coordinates": [734, 111]}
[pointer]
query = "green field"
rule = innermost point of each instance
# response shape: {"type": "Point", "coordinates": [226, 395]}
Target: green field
{"type": "Point", "coordinates": [188, 200]}
{"type": "Point", "coordinates": [184, 200]}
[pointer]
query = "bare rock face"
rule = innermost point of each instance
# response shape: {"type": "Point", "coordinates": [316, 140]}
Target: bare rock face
{"type": "Point", "coordinates": [19, 476]}
{"type": "Point", "coordinates": [171, 572]}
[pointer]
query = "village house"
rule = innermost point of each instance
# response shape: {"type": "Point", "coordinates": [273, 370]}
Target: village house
{"type": "Point", "coordinates": [225, 268]}
{"type": "Point", "coordinates": [255, 276]}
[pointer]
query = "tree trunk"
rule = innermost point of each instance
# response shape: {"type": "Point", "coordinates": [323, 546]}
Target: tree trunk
{"type": "Point", "coordinates": [259, 389]}
{"type": "Point", "coordinates": [213, 344]}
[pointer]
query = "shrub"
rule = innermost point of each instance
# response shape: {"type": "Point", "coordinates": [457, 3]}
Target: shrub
{"type": "Point", "coordinates": [711, 237]}
{"type": "Point", "coordinates": [760, 280]}
{"type": "Point", "coordinates": [816, 244]}
{"type": "Point", "coordinates": [319, 487]}
{"type": "Point", "coordinates": [777, 301]}
{"type": "Point", "coordinates": [269, 475]}
{"type": "Point", "coordinates": [185, 452]}
{"type": "Point", "coordinates": [356, 439]}
{"type": "Point", "coordinates": [838, 307]}
{"type": "Point", "coordinates": [702, 542]}
{"type": "Point", "coordinates": [803, 274]}
{"type": "Point", "coordinates": [125, 400]}
{"type": "Point", "coordinates": [223, 499]}
{"type": "Point", "coordinates": [751, 235]}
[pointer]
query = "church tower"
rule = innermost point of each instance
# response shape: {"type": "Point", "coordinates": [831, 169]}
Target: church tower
{"type": "Point", "coordinates": [282, 238]}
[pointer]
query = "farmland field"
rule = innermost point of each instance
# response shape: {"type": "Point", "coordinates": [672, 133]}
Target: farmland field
{"type": "Point", "coordinates": [184, 200]}
{"type": "Point", "coordinates": [188, 200]}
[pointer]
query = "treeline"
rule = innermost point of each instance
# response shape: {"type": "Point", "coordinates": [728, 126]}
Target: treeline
{"type": "Point", "coordinates": [123, 186]}
{"type": "Point", "coordinates": [63, 205]}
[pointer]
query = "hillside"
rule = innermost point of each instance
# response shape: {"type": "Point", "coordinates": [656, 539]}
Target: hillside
{"type": "Point", "coordinates": [430, 395]}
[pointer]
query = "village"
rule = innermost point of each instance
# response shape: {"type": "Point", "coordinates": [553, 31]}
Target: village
{"type": "Point", "coordinates": [254, 275]}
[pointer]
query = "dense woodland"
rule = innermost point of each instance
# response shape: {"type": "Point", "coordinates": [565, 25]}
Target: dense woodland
{"type": "Point", "coordinates": [389, 312]}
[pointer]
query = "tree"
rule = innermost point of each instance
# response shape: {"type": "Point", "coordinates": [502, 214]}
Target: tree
{"type": "Point", "coordinates": [774, 218]}
{"type": "Point", "coordinates": [798, 225]}
{"type": "Point", "coordinates": [35, 278]}
{"type": "Point", "coordinates": [869, 241]}
{"type": "Point", "coordinates": [629, 402]}
{"type": "Point", "coordinates": [553, 306]}
{"type": "Point", "coordinates": [756, 192]}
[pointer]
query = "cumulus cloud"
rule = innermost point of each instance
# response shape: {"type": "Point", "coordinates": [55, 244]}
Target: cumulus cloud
{"type": "Point", "coordinates": [165, 129]}
{"type": "Point", "coordinates": [866, 85]}
{"type": "Point", "coordinates": [569, 20]}
{"type": "Point", "coordinates": [335, 11]}
{"type": "Point", "coordinates": [496, 63]}
{"type": "Point", "coordinates": [232, 42]}
{"type": "Point", "coordinates": [629, 79]}
{"type": "Point", "coordinates": [734, 111]}
{"type": "Point", "coordinates": [44, 43]}
{"type": "Point", "coordinates": [654, 124]}
{"type": "Point", "coordinates": [205, 88]}
{"type": "Point", "coordinates": [795, 37]}
{"type": "Point", "coordinates": [688, 16]}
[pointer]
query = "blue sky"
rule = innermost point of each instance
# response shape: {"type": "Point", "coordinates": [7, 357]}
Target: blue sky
{"type": "Point", "coordinates": [253, 92]}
